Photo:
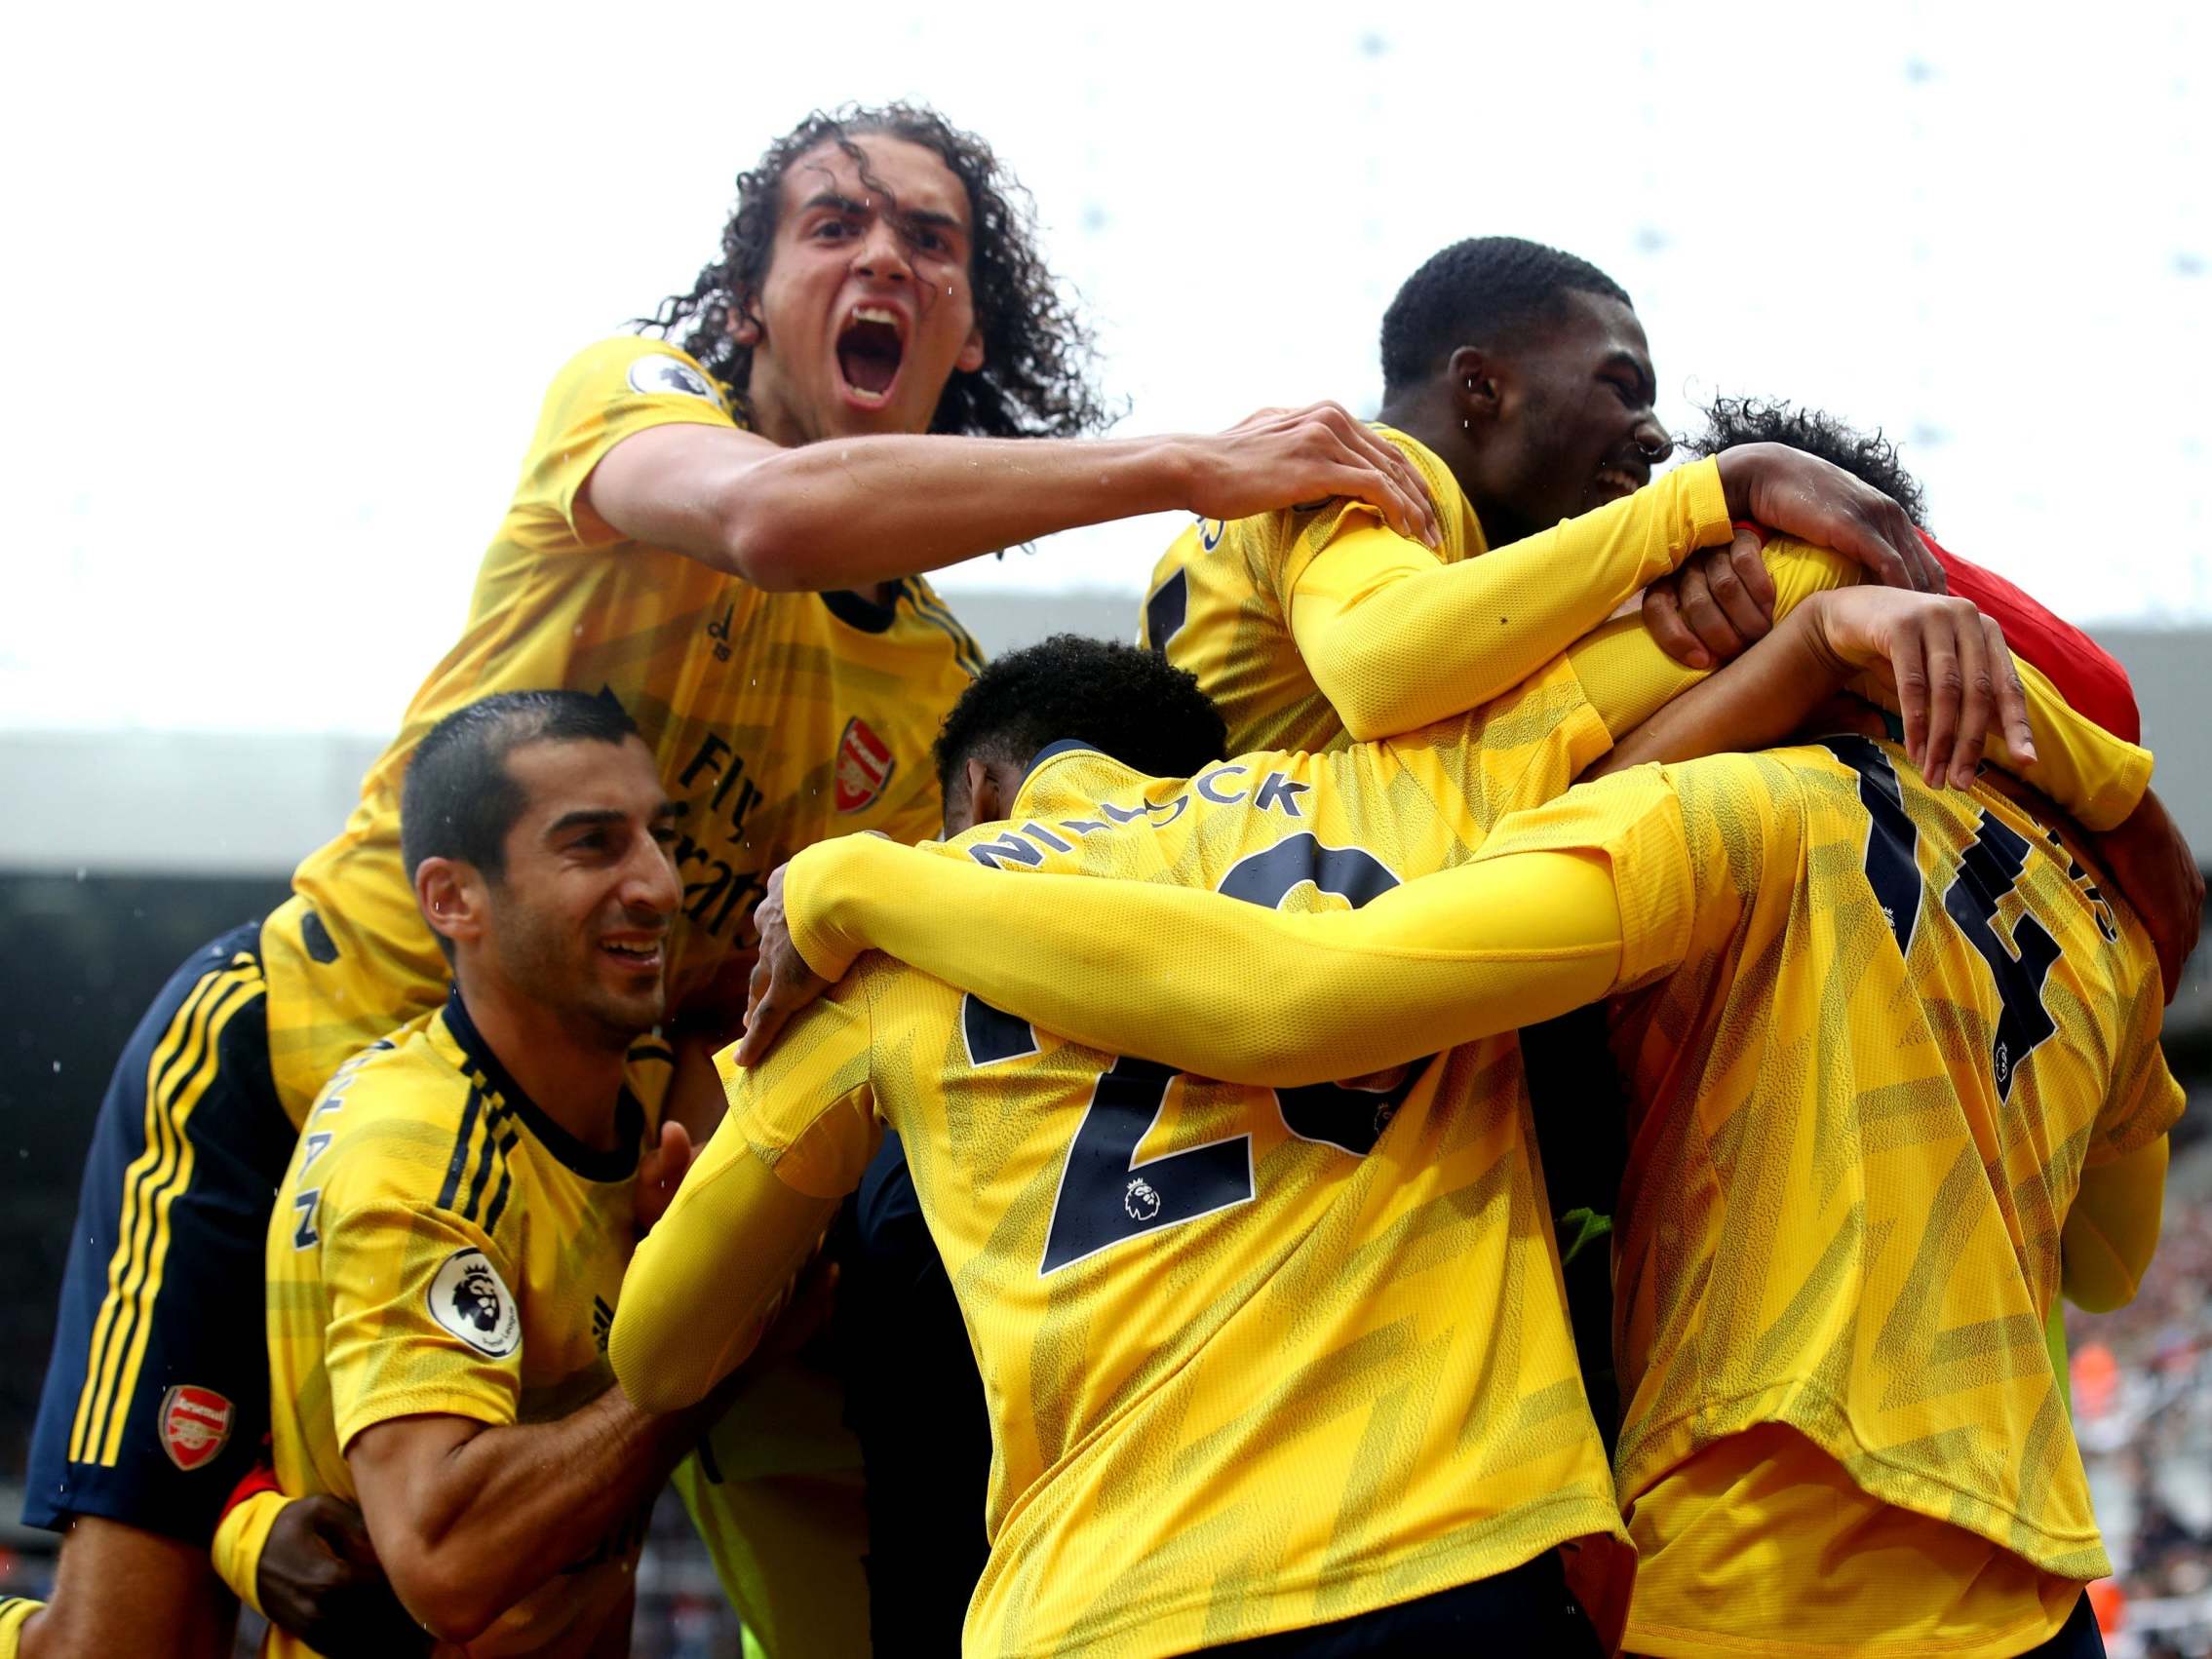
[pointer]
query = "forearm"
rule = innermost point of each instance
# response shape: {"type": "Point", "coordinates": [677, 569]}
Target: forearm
{"type": "Point", "coordinates": [1755, 702]}
{"type": "Point", "coordinates": [851, 512]}
{"type": "Point", "coordinates": [712, 1275]}
{"type": "Point", "coordinates": [509, 1508]}
{"type": "Point", "coordinates": [1397, 641]}
{"type": "Point", "coordinates": [1135, 967]}
{"type": "Point", "coordinates": [2111, 1230]}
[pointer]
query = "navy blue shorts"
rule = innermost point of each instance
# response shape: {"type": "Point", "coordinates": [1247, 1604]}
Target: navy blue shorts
{"type": "Point", "coordinates": [157, 1394]}
{"type": "Point", "coordinates": [2077, 1638]}
{"type": "Point", "coordinates": [1522, 1613]}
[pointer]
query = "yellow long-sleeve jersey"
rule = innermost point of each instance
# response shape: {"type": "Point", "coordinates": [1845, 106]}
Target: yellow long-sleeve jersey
{"type": "Point", "coordinates": [1877, 1034]}
{"type": "Point", "coordinates": [775, 719]}
{"type": "Point", "coordinates": [440, 1245]}
{"type": "Point", "coordinates": [1307, 626]}
{"type": "Point", "coordinates": [1256, 1359]}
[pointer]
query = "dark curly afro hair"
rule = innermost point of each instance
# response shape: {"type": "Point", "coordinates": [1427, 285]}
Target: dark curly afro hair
{"type": "Point", "coordinates": [1125, 702]}
{"type": "Point", "coordinates": [1036, 378]}
{"type": "Point", "coordinates": [1867, 456]}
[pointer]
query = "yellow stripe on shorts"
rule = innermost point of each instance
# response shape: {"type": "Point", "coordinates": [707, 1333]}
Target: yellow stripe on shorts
{"type": "Point", "coordinates": [182, 1067]}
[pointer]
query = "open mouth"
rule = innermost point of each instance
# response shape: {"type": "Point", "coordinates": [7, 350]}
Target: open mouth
{"type": "Point", "coordinates": [641, 956]}
{"type": "Point", "coordinates": [1614, 483]}
{"type": "Point", "coordinates": [870, 350]}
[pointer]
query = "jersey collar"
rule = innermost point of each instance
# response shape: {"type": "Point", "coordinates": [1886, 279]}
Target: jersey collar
{"type": "Point", "coordinates": [858, 610]}
{"type": "Point", "coordinates": [1052, 776]}
{"type": "Point", "coordinates": [618, 1163]}
{"type": "Point", "coordinates": [1059, 747]}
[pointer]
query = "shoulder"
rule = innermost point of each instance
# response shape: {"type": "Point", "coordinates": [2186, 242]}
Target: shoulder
{"type": "Point", "coordinates": [632, 366]}
{"type": "Point", "coordinates": [404, 1124]}
{"type": "Point", "coordinates": [1444, 491]}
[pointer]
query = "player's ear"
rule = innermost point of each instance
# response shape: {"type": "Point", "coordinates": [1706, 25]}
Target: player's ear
{"type": "Point", "coordinates": [452, 896]}
{"type": "Point", "coordinates": [984, 804]}
{"type": "Point", "coordinates": [971, 353]}
{"type": "Point", "coordinates": [1477, 384]}
{"type": "Point", "coordinates": [745, 327]}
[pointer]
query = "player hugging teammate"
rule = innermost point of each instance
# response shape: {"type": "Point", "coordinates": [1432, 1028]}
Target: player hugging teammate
{"type": "Point", "coordinates": [1197, 1030]}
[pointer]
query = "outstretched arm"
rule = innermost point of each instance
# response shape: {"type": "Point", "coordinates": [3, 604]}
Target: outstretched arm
{"type": "Point", "coordinates": [847, 513]}
{"type": "Point", "coordinates": [713, 1274]}
{"type": "Point", "coordinates": [1136, 968]}
{"type": "Point", "coordinates": [1396, 641]}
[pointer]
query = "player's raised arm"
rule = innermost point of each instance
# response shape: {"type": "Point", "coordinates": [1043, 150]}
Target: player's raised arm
{"type": "Point", "coordinates": [847, 511]}
{"type": "Point", "coordinates": [1913, 640]}
{"type": "Point", "coordinates": [706, 1282]}
{"type": "Point", "coordinates": [1635, 685]}
{"type": "Point", "coordinates": [1398, 641]}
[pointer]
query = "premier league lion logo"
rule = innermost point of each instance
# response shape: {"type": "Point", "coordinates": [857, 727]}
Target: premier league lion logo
{"type": "Point", "coordinates": [477, 1299]}
{"type": "Point", "coordinates": [469, 1299]}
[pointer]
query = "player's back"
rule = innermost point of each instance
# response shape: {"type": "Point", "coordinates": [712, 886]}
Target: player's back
{"type": "Point", "coordinates": [1906, 1020]}
{"type": "Point", "coordinates": [1256, 1360]}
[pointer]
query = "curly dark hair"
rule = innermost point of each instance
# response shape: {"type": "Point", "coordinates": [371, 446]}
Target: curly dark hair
{"type": "Point", "coordinates": [1123, 701]}
{"type": "Point", "coordinates": [1484, 289]}
{"type": "Point", "coordinates": [1038, 355]}
{"type": "Point", "coordinates": [1867, 456]}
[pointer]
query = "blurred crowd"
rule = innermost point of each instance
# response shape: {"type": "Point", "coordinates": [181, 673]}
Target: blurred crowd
{"type": "Point", "coordinates": [2143, 1412]}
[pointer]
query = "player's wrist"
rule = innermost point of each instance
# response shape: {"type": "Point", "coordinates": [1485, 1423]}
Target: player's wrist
{"type": "Point", "coordinates": [820, 893]}
{"type": "Point", "coordinates": [1171, 471]}
{"type": "Point", "coordinates": [1742, 471]}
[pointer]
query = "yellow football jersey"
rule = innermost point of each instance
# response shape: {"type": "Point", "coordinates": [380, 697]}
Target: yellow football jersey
{"type": "Point", "coordinates": [1221, 602]}
{"type": "Point", "coordinates": [776, 718]}
{"type": "Point", "coordinates": [1903, 1022]}
{"type": "Point", "coordinates": [441, 1245]}
{"type": "Point", "coordinates": [1256, 1359]}
{"type": "Point", "coordinates": [776, 1494]}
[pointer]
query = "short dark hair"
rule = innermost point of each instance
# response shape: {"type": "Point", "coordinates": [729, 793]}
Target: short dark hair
{"type": "Point", "coordinates": [1486, 289]}
{"type": "Point", "coordinates": [1867, 456]}
{"type": "Point", "coordinates": [1036, 376]}
{"type": "Point", "coordinates": [459, 801]}
{"type": "Point", "coordinates": [1129, 704]}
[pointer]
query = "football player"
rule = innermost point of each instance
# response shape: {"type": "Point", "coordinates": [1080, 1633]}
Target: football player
{"type": "Point", "coordinates": [1517, 379]}
{"type": "Point", "coordinates": [448, 1243]}
{"type": "Point", "coordinates": [878, 376]}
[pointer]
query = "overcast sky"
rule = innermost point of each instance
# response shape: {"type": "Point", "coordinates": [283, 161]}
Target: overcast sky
{"type": "Point", "coordinates": [286, 285]}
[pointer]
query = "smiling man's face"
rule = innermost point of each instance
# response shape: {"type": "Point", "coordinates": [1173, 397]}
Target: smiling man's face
{"type": "Point", "coordinates": [579, 916]}
{"type": "Point", "coordinates": [868, 309]}
{"type": "Point", "coordinates": [1581, 431]}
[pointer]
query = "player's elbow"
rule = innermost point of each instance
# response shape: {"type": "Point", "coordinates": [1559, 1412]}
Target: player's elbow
{"type": "Point", "coordinates": [1360, 686]}
{"type": "Point", "coordinates": [769, 532]}
{"type": "Point", "coordinates": [657, 1390]}
{"type": "Point", "coordinates": [652, 1377]}
{"type": "Point", "coordinates": [765, 560]}
{"type": "Point", "coordinates": [454, 1599]}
